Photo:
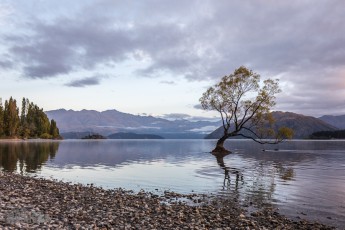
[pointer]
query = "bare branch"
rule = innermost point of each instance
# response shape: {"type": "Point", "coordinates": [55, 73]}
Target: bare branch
{"type": "Point", "coordinates": [261, 142]}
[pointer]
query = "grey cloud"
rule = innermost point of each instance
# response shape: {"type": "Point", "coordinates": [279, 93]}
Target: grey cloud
{"type": "Point", "coordinates": [301, 42]}
{"type": "Point", "coordinates": [205, 129]}
{"type": "Point", "coordinates": [207, 44]}
{"type": "Point", "coordinates": [180, 116]}
{"type": "Point", "coordinates": [168, 82]}
{"type": "Point", "coordinates": [84, 82]}
{"type": "Point", "coordinates": [65, 45]}
{"type": "Point", "coordinates": [211, 119]}
{"type": "Point", "coordinates": [317, 108]}
{"type": "Point", "coordinates": [310, 100]}
{"type": "Point", "coordinates": [176, 116]}
{"type": "Point", "coordinates": [197, 106]}
{"type": "Point", "coordinates": [68, 45]}
{"type": "Point", "coordinates": [6, 64]}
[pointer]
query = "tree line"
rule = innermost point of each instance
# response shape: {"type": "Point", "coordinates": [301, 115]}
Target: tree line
{"type": "Point", "coordinates": [30, 122]}
{"type": "Point", "coordinates": [337, 134]}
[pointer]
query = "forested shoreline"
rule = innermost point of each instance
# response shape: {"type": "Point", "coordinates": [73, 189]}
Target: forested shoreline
{"type": "Point", "coordinates": [28, 122]}
{"type": "Point", "coordinates": [327, 135]}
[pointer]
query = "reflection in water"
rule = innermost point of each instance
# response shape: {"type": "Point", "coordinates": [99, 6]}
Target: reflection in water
{"type": "Point", "coordinates": [307, 176]}
{"type": "Point", "coordinates": [259, 186]}
{"type": "Point", "coordinates": [26, 156]}
{"type": "Point", "coordinates": [285, 173]}
{"type": "Point", "coordinates": [227, 173]}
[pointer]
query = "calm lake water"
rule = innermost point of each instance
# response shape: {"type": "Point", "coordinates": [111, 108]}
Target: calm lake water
{"type": "Point", "coordinates": [303, 178]}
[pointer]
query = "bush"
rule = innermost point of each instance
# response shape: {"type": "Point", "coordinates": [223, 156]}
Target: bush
{"type": "Point", "coordinates": [46, 136]}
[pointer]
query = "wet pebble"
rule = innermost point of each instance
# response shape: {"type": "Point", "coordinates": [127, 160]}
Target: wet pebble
{"type": "Point", "coordinates": [31, 203]}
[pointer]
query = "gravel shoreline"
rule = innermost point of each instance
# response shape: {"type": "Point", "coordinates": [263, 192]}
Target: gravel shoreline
{"type": "Point", "coordinates": [31, 203]}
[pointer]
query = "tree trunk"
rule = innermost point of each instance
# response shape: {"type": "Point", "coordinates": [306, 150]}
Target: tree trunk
{"type": "Point", "coordinates": [220, 146]}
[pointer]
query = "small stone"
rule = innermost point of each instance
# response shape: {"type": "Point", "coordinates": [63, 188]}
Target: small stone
{"type": "Point", "coordinates": [64, 206]}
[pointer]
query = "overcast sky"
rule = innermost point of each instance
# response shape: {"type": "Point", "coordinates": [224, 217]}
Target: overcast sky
{"type": "Point", "coordinates": [157, 57]}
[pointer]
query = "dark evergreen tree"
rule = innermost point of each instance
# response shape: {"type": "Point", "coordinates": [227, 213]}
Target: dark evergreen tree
{"type": "Point", "coordinates": [32, 122]}
{"type": "Point", "coordinates": [54, 131]}
{"type": "Point", "coordinates": [11, 117]}
{"type": "Point", "coordinates": [38, 122]}
{"type": "Point", "coordinates": [24, 129]}
{"type": "Point", "coordinates": [23, 111]}
{"type": "Point", "coordinates": [2, 125]}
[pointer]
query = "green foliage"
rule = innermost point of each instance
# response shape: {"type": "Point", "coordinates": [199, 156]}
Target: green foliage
{"type": "Point", "coordinates": [11, 118]}
{"type": "Point", "coordinates": [32, 123]}
{"type": "Point", "coordinates": [54, 131]}
{"type": "Point", "coordinates": [285, 133]}
{"type": "Point", "coordinates": [2, 124]}
{"type": "Point", "coordinates": [46, 136]}
{"type": "Point", "coordinates": [37, 120]}
{"type": "Point", "coordinates": [243, 104]}
{"type": "Point", "coordinates": [24, 128]}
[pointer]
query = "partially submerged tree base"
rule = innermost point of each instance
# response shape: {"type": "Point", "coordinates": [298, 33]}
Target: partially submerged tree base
{"type": "Point", "coordinates": [220, 151]}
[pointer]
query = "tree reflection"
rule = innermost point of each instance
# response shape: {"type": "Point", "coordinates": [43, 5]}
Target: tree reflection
{"type": "Point", "coordinates": [256, 185]}
{"type": "Point", "coordinates": [228, 172]}
{"type": "Point", "coordinates": [285, 173]}
{"type": "Point", "coordinates": [26, 156]}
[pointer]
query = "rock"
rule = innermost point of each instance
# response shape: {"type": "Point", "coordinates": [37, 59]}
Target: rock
{"type": "Point", "coordinates": [58, 205]}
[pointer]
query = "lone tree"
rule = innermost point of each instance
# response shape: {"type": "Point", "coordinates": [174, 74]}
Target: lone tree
{"type": "Point", "coordinates": [244, 106]}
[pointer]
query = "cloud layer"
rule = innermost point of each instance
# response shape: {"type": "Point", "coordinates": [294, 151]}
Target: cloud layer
{"type": "Point", "coordinates": [301, 42]}
{"type": "Point", "coordinates": [84, 82]}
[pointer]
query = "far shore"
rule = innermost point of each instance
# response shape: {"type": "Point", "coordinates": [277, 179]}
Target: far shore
{"type": "Point", "coordinates": [28, 202]}
{"type": "Point", "coordinates": [40, 139]}
{"type": "Point", "coordinates": [23, 140]}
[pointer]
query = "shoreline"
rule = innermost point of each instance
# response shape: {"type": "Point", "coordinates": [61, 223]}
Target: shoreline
{"type": "Point", "coordinates": [28, 202]}
{"type": "Point", "coordinates": [28, 140]}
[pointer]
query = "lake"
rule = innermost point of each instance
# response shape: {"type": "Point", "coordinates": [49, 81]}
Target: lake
{"type": "Point", "coordinates": [302, 178]}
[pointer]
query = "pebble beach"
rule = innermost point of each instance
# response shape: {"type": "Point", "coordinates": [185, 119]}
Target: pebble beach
{"type": "Point", "coordinates": [36, 203]}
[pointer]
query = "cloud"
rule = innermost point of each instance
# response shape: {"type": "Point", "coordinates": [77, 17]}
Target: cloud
{"type": "Point", "coordinates": [66, 47]}
{"type": "Point", "coordinates": [197, 106]}
{"type": "Point", "coordinates": [6, 64]}
{"type": "Point", "coordinates": [84, 82]}
{"type": "Point", "coordinates": [168, 82]}
{"type": "Point", "coordinates": [205, 129]}
{"type": "Point", "coordinates": [304, 48]}
{"type": "Point", "coordinates": [175, 116]}
{"type": "Point", "coordinates": [183, 116]}
{"type": "Point", "coordinates": [6, 12]}
{"type": "Point", "coordinates": [209, 43]}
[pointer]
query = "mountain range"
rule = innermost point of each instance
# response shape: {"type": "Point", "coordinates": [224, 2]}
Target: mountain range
{"type": "Point", "coordinates": [336, 121]}
{"type": "Point", "coordinates": [303, 126]}
{"type": "Point", "coordinates": [133, 136]}
{"type": "Point", "coordinates": [74, 124]}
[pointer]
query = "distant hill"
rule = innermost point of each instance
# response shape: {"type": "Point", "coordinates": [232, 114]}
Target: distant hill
{"type": "Point", "coordinates": [93, 137]}
{"type": "Point", "coordinates": [133, 136]}
{"type": "Point", "coordinates": [303, 126]}
{"type": "Point", "coordinates": [326, 135]}
{"type": "Point", "coordinates": [74, 135]}
{"type": "Point", "coordinates": [112, 121]}
{"type": "Point", "coordinates": [77, 124]}
{"type": "Point", "coordinates": [88, 135]}
{"type": "Point", "coordinates": [336, 121]}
